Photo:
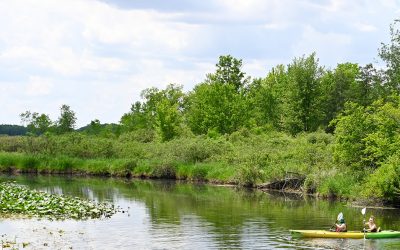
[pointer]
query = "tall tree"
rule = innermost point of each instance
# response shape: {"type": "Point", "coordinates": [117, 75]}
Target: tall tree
{"type": "Point", "coordinates": [264, 97]}
{"type": "Point", "coordinates": [371, 85]}
{"type": "Point", "coordinates": [390, 54]}
{"type": "Point", "coordinates": [67, 120]}
{"type": "Point", "coordinates": [338, 87]}
{"type": "Point", "coordinates": [229, 72]}
{"type": "Point", "coordinates": [218, 103]}
{"type": "Point", "coordinates": [168, 112]}
{"type": "Point", "coordinates": [303, 107]}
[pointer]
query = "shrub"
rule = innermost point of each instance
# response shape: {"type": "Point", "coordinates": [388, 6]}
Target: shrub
{"type": "Point", "coordinates": [165, 170]}
{"type": "Point", "coordinates": [337, 185]}
{"type": "Point", "coordinates": [199, 172]}
{"type": "Point", "coordinates": [385, 181]}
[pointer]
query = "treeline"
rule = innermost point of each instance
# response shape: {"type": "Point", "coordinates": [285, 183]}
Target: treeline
{"type": "Point", "coordinates": [7, 129]}
{"type": "Point", "coordinates": [302, 96]}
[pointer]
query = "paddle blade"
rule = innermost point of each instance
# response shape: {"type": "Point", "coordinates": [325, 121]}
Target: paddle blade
{"type": "Point", "coordinates": [363, 210]}
{"type": "Point", "coordinates": [340, 216]}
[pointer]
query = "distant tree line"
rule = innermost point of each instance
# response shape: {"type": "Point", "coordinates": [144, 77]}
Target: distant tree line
{"type": "Point", "coordinates": [6, 129]}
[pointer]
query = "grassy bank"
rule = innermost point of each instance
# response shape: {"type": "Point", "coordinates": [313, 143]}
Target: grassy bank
{"type": "Point", "coordinates": [38, 163]}
{"type": "Point", "coordinates": [243, 158]}
{"type": "Point", "coordinates": [246, 158]}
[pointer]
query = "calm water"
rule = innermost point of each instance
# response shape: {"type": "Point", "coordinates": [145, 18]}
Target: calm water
{"type": "Point", "coordinates": [173, 215]}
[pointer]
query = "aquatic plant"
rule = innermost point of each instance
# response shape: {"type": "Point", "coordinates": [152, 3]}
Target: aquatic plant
{"type": "Point", "coordinates": [18, 199]}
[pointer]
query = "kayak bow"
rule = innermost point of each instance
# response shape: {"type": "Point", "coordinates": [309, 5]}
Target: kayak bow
{"type": "Point", "coordinates": [348, 234]}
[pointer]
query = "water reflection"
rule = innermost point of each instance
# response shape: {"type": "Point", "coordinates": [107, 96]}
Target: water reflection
{"type": "Point", "coordinates": [170, 215]}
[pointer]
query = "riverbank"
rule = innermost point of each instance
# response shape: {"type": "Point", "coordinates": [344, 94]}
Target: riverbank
{"type": "Point", "coordinates": [243, 158]}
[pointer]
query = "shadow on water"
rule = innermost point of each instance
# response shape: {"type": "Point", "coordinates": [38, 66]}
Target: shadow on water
{"type": "Point", "coordinates": [170, 214]}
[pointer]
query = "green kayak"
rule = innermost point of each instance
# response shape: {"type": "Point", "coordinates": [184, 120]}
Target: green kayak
{"type": "Point", "coordinates": [349, 234]}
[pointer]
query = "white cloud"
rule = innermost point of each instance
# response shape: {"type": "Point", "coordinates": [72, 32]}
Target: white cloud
{"type": "Point", "coordinates": [275, 26]}
{"type": "Point", "coordinates": [327, 45]}
{"type": "Point", "coordinates": [364, 27]}
{"type": "Point", "coordinates": [63, 36]}
{"type": "Point", "coordinates": [38, 86]}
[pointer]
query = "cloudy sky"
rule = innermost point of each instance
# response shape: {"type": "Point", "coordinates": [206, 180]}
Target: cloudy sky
{"type": "Point", "coordinates": [98, 55]}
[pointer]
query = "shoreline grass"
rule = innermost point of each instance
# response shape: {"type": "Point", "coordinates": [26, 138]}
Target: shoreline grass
{"type": "Point", "coordinates": [42, 164]}
{"type": "Point", "coordinates": [243, 158]}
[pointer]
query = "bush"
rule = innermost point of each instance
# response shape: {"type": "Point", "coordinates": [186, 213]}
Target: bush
{"type": "Point", "coordinates": [199, 172]}
{"type": "Point", "coordinates": [385, 181]}
{"type": "Point", "coordinates": [165, 170]}
{"type": "Point", "coordinates": [139, 135]}
{"type": "Point", "coordinates": [337, 185]}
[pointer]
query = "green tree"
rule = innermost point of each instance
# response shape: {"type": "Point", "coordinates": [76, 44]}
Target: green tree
{"type": "Point", "coordinates": [36, 123]}
{"type": "Point", "coordinates": [136, 119]}
{"type": "Point", "coordinates": [218, 104]}
{"type": "Point", "coordinates": [264, 98]}
{"type": "Point", "coordinates": [66, 121]}
{"type": "Point", "coordinates": [367, 136]}
{"type": "Point", "coordinates": [94, 128]}
{"type": "Point", "coordinates": [371, 85]}
{"type": "Point", "coordinates": [229, 72]}
{"type": "Point", "coordinates": [352, 126]}
{"type": "Point", "coordinates": [169, 112]}
{"type": "Point", "coordinates": [390, 54]}
{"type": "Point", "coordinates": [161, 110]}
{"type": "Point", "coordinates": [338, 87]}
{"type": "Point", "coordinates": [302, 109]}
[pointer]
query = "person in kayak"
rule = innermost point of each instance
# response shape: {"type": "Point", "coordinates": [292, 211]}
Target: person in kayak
{"type": "Point", "coordinates": [371, 224]}
{"type": "Point", "coordinates": [340, 225]}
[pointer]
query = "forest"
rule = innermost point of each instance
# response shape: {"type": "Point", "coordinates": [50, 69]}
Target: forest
{"type": "Point", "coordinates": [339, 127]}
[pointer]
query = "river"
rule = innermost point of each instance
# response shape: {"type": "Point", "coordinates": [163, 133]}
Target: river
{"type": "Point", "coordinates": [178, 215]}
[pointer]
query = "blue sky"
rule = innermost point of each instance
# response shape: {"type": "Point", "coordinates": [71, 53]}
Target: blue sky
{"type": "Point", "coordinates": [97, 56]}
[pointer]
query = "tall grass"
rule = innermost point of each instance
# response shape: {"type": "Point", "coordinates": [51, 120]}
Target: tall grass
{"type": "Point", "coordinates": [242, 158]}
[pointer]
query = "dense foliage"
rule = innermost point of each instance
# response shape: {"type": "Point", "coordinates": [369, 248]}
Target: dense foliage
{"type": "Point", "coordinates": [339, 127]}
{"type": "Point", "coordinates": [6, 129]}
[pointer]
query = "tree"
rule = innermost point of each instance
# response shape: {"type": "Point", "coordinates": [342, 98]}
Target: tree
{"type": "Point", "coordinates": [218, 104]}
{"type": "Point", "coordinates": [229, 72]}
{"type": "Point", "coordinates": [371, 85]}
{"type": "Point", "coordinates": [66, 121]}
{"type": "Point", "coordinates": [94, 128]}
{"type": "Point", "coordinates": [136, 119]}
{"type": "Point", "coordinates": [36, 123]}
{"type": "Point", "coordinates": [367, 136]}
{"type": "Point", "coordinates": [338, 87]}
{"type": "Point", "coordinates": [302, 109]}
{"type": "Point", "coordinates": [168, 112]}
{"type": "Point", "coordinates": [161, 111]}
{"type": "Point", "coordinates": [390, 54]}
{"type": "Point", "coordinates": [264, 97]}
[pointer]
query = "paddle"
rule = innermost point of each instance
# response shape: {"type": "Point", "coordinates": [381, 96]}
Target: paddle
{"type": "Point", "coordinates": [363, 213]}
